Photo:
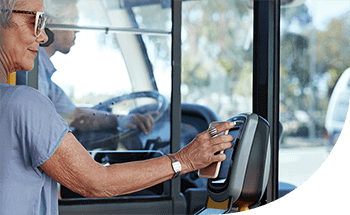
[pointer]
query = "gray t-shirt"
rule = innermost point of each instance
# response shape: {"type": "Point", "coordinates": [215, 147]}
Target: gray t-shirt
{"type": "Point", "coordinates": [30, 132]}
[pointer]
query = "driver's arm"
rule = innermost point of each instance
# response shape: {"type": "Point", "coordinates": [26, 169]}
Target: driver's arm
{"type": "Point", "coordinates": [72, 166]}
{"type": "Point", "coordinates": [90, 119]}
{"type": "Point", "coordinates": [86, 119]}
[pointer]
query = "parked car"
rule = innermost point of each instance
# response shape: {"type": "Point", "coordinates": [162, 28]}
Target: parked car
{"type": "Point", "coordinates": [337, 108]}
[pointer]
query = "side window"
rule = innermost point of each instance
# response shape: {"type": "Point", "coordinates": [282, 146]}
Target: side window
{"type": "Point", "coordinates": [217, 55]}
{"type": "Point", "coordinates": [314, 93]}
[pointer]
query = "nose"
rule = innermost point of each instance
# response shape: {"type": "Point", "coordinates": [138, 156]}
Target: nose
{"type": "Point", "coordinates": [75, 32]}
{"type": "Point", "coordinates": [42, 38]}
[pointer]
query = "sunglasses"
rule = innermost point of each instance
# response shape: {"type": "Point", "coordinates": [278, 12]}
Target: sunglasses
{"type": "Point", "coordinates": [40, 19]}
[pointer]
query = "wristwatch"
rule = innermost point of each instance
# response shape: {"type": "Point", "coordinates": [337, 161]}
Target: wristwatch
{"type": "Point", "coordinates": [176, 165]}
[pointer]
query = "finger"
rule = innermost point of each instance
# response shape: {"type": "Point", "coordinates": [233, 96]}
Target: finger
{"type": "Point", "coordinates": [222, 138]}
{"type": "Point", "coordinates": [224, 126]}
{"type": "Point", "coordinates": [131, 125]}
{"type": "Point", "coordinates": [140, 124]}
{"type": "Point", "coordinates": [147, 121]}
{"type": "Point", "coordinates": [150, 122]}
{"type": "Point", "coordinates": [154, 113]}
{"type": "Point", "coordinates": [219, 157]}
{"type": "Point", "coordinates": [221, 147]}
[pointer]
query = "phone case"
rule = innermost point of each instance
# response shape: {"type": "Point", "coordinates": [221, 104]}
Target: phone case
{"type": "Point", "coordinates": [212, 171]}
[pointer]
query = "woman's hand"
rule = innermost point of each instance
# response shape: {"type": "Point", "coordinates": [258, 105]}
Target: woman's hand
{"type": "Point", "coordinates": [202, 151]}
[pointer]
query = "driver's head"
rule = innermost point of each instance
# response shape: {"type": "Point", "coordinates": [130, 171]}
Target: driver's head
{"type": "Point", "coordinates": [63, 41]}
{"type": "Point", "coordinates": [62, 12]}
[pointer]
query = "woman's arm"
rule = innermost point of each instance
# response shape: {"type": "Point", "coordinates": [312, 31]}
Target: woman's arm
{"type": "Point", "coordinates": [72, 166]}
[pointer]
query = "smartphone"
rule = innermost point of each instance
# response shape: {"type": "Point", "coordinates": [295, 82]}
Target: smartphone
{"type": "Point", "coordinates": [212, 171]}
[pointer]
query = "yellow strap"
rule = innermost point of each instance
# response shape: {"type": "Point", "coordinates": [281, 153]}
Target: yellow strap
{"type": "Point", "coordinates": [244, 208]}
{"type": "Point", "coordinates": [12, 79]}
{"type": "Point", "coordinates": [217, 205]}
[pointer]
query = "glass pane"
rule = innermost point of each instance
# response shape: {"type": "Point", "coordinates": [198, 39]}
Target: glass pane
{"type": "Point", "coordinates": [217, 56]}
{"type": "Point", "coordinates": [93, 70]}
{"type": "Point", "coordinates": [149, 15]}
{"type": "Point", "coordinates": [216, 64]}
{"type": "Point", "coordinates": [159, 52]}
{"type": "Point", "coordinates": [314, 84]}
{"type": "Point", "coordinates": [106, 84]}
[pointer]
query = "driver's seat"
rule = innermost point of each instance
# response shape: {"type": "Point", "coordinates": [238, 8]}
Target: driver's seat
{"type": "Point", "coordinates": [198, 116]}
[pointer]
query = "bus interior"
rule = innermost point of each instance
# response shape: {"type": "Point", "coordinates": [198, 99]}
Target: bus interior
{"type": "Point", "coordinates": [194, 62]}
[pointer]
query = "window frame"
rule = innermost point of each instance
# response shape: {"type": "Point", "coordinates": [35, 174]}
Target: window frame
{"type": "Point", "coordinates": [266, 79]}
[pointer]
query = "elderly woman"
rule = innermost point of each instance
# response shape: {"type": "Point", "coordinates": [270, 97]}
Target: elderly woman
{"type": "Point", "coordinates": [37, 149]}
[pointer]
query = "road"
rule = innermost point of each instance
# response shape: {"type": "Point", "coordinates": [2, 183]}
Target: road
{"type": "Point", "coordinates": [299, 164]}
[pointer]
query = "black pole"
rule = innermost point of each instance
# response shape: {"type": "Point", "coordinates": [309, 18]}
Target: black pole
{"type": "Point", "coordinates": [266, 87]}
{"type": "Point", "coordinates": [175, 184]}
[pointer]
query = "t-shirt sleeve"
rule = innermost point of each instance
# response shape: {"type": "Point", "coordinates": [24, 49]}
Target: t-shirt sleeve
{"type": "Point", "coordinates": [38, 124]}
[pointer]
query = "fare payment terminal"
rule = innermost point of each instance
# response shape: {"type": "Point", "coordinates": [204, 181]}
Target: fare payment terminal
{"type": "Point", "coordinates": [243, 176]}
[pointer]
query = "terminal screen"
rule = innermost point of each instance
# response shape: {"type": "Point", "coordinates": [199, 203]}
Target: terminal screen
{"type": "Point", "coordinates": [225, 165]}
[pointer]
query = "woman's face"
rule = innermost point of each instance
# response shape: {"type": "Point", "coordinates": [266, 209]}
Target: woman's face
{"type": "Point", "coordinates": [18, 43]}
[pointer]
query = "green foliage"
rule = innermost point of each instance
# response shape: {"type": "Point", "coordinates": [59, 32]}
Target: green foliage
{"type": "Point", "coordinates": [214, 36]}
{"type": "Point", "coordinates": [311, 61]}
{"type": "Point", "coordinates": [243, 86]}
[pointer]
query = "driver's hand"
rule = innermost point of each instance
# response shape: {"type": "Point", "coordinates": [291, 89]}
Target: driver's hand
{"type": "Point", "coordinates": [144, 121]}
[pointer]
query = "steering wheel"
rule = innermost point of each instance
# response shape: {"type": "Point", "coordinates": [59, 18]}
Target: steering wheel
{"type": "Point", "coordinates": [104, 137]}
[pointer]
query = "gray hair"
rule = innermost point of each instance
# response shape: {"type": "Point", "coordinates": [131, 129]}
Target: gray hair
{"type": "Point", "coordinates": [6, 7]}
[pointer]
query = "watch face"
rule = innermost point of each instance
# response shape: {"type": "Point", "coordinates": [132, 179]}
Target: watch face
{"type": "Point", "coordinates": [177, 166]}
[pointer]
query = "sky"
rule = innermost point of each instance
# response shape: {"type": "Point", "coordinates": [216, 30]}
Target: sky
{"type": "Point", "coordinates": [323, 11]}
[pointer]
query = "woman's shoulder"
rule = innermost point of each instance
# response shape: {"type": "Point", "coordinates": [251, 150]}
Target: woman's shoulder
{"type": "Point", "coordinates": [19, 90]}
{"type": "Point", "coordinates": [22, 94]}
{"type": "Point", "coordinates": [9, 87]}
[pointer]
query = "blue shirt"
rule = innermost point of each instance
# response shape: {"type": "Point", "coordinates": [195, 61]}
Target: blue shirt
{"type": "Point", "coordinates": [30, 132]}
{"type": "Point", "coordinates": [46, 69]}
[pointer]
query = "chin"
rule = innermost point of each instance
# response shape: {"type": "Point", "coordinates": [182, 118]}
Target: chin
{"type": "Point", "coordinates": [27, 67]}
{"type": "Point", "coordinates": [27, 63]}
{"type": "Point", "coordinates": [66, 51]}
